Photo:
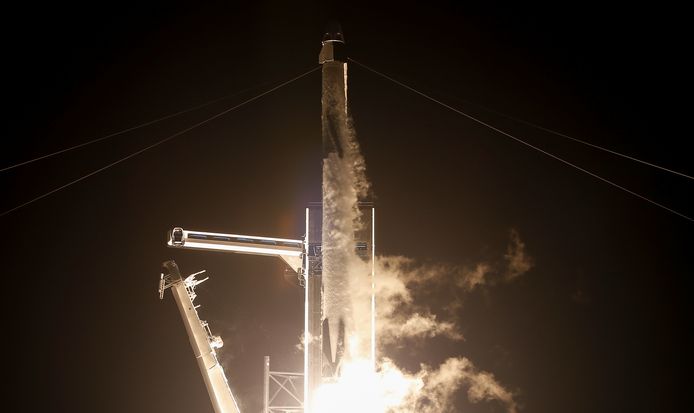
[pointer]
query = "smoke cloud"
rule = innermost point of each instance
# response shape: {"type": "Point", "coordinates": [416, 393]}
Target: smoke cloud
{"type": "Point", "coordinates": [400, 281]}
{"type": "Point", "coordinates": [393, 390]}
{"type": "Point", "coordinates": [442, 384]}
{"type": "Point", "coordinates": [518, 261]}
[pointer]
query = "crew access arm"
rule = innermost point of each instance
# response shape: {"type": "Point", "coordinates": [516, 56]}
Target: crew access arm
{"type": "Point", "coordinates": [288, 250]}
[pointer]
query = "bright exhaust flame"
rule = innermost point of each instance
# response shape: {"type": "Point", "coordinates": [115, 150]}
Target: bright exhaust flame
{"type": "Point", "coordinates": [390, 389]}
{"type": "Point", "coordinates": [361, 389]}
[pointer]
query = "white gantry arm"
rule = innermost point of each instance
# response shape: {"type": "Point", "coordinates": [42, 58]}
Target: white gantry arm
{"type": "Point", "coordinates": [289, 250]}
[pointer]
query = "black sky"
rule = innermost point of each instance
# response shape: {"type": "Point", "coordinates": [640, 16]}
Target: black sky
{"type": "Point", "coordinates": [599, 324]}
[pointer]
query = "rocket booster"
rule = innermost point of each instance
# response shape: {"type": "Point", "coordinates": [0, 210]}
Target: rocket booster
{"type": "Point", "coordinates": [335, 249]}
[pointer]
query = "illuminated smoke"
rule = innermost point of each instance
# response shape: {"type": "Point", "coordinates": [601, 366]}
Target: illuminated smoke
{"type": "Point", "coordinates": [401, 316]}
{"type": "Point", "coordinates": [391, 389]}
{"type": "Point", "coordinates": [400, 281]}
{"type": "Point", "coordinates": [518, 261]}
{"type": "Point", "coordinates": [455, 373]}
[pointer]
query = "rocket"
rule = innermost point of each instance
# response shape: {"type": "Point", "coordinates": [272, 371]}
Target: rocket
{"type": "Point", "coordinates": [336, 305]}
{"type": "Point", "coordinates": [339, 231]}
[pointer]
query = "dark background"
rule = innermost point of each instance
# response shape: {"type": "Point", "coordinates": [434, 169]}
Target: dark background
{"type": "Point", "coordinates": [599, 324]}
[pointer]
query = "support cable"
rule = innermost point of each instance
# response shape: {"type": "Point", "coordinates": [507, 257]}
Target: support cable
{"type": "Point", "coordinates": [563, 135]}
{"type": "Point", "coordinates": [483, 123]}
{"type": "Point", "coordinates": [168, 138]}
{"type": "Point", "coordinates": [132, 128]}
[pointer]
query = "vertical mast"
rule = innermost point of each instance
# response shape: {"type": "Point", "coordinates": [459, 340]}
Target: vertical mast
{"type": "Point", "coordinates": [313, 306]}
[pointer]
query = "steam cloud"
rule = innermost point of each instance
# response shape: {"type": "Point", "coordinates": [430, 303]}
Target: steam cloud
{"type": "Point", "coordinates": [400, 280]}
{"type": "Point", "coordinates": [518, 261]}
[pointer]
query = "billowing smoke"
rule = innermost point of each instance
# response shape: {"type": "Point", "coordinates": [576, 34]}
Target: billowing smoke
{"type": "Point", "coordinates": [442, 384]}
{"type": "Point", "coordinates": [518, 261]}
{"type": "Point", "coordinates": [402, 316]}
{"type": "Point", "coordinates": [403, 284]}
{"type": "Point", "coordinates": [390, 389]}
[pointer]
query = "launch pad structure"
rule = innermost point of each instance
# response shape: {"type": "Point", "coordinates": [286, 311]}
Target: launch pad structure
{"type": "Point", "coordinates": [201, 339]}
{"type": "Point", "coordinates": [310, 258]}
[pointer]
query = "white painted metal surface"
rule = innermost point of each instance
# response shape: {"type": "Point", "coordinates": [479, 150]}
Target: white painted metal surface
{"type": "Point", "coordinates": [201, 340]}
{"type": "Point", "coordinates": [289, 250]}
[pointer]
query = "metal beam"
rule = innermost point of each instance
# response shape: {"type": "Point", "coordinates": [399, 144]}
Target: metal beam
{"type": "Point", "coordinates": [201, 339]}
{"type": "Point", "coordinates": [289, 250]}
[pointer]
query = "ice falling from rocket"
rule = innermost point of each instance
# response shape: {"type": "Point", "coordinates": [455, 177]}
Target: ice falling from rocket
{"type": "Point", "coordinates": [342, 189]}
{"type": "Point", "coordinates": [336, 228]}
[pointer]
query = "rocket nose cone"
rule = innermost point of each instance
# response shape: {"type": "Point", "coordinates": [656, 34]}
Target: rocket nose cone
{"type": "Point", "coordinates": [333, 32]}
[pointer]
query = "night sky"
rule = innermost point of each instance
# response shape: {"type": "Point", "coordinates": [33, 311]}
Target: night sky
{"type": "Point", "coordinates": [599, 324]}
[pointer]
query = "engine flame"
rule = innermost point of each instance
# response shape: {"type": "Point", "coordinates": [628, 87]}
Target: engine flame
{"type": "Point", "coordinates": [389, 389]}
{"type": "Point", "coordinates": [361, 389]}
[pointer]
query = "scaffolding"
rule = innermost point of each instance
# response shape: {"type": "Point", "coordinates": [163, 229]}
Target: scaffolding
{"type": "Point", "coordinates": [282, 391]}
